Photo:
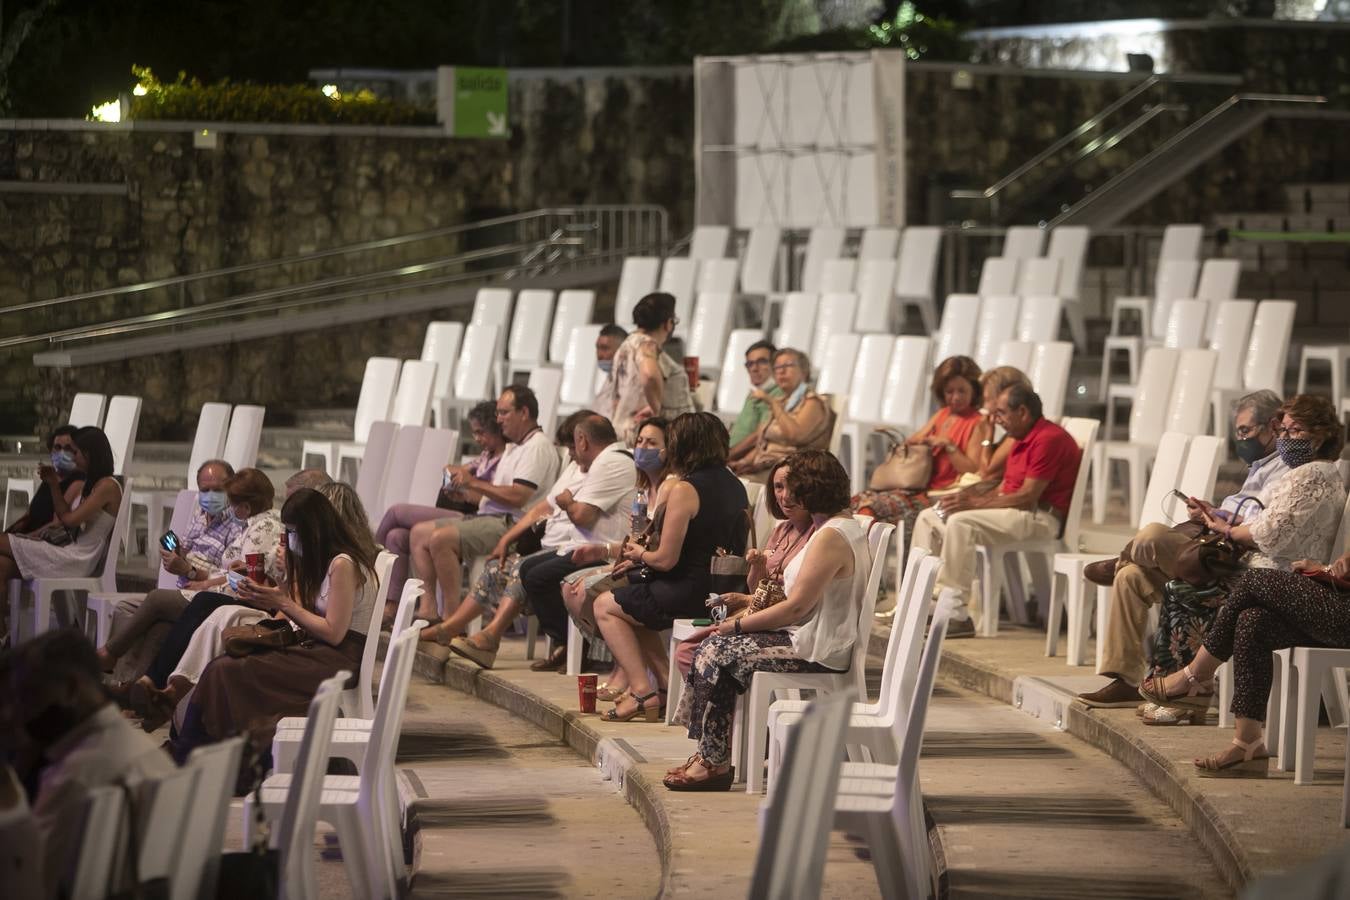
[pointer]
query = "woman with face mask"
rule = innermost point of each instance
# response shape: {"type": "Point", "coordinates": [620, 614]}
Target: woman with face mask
{"type": "Point", "coordinates": [1296, 528]}
{"type": "Point", "coordinates": [61, 447]}
{"type": "Point", "coordinates": [72, 545]}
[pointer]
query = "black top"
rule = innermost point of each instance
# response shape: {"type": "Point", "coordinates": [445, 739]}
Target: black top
{"type": "Point", "coordinates": [41, 509]}
{"type": "Point", "coordinates": [721, 523]}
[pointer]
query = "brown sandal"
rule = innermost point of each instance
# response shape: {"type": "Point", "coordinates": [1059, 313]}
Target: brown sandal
{"type": "Point", "coordinates": [1249, 765]}
{"type": "Point", "coordinates": [680, 780]}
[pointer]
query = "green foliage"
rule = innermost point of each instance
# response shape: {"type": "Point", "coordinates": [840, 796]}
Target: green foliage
{"type": "Point", "coordinates": [920, 36]}
{"type": "Point", "coordinates": [187, 99]}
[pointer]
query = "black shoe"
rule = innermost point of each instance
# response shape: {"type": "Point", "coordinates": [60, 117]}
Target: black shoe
{"type": "Point", "coordinates": [960, 628]}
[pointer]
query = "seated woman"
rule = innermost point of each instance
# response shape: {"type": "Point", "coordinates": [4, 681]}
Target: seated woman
{"type": "Point", "coordinates": [61, 446]}
{"type": "Point", "coordinates": [1301, 514]}
{"type": "Point", "coordinates": [398, 526]}
{"type": "Point", "coordinates": [349, 508]}
{"type": "Point", "coordinates": [812, 629]}
{"type": "Point", "coordinates": [706, 509]}
{"type": "Point", "coordinates": [955, 436]}
{"type": "Point", "coordinates": [73, 543]}
{"type": "Point", "coordinates": [800, 419]}
{"type": "Point", "coordinates": [790, 536]}
{"type": "Point", "coordinates": [249, 495]}
{"type": "Point", "coordinates": [329, 596]}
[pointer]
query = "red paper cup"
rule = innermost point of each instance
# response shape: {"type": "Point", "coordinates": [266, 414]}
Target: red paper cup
{"type": "Point", "coordinates": [691, 370]}
{"type": "Point", "coordinates": [586, 685]}
{"type": "Point", "coordinates": [253, 566]}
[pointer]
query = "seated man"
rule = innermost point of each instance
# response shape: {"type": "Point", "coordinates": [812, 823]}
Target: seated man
{"type": "Point", "coordinates": [306, 478]}
{"type": "Point", "coordinates": [61, 446]}
{"type": "Point", "coordinates": [1137, 576]}
{"type": "Point", "coordinates": [1031, 502]}
{"type": "Point", "coordinates": [588, 504]}
{"type": "Point", "coordinates": [58, 701]}
{"type": "Point", "coordinates": [528, 466]}
{"type": "Point", "coordinates": [755, 412]}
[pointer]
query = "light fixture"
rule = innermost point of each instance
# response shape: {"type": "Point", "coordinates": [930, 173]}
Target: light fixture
{"type": "Point", "coordinates": [139, 90]}
{"type": "Point", "coordinates": [331, 91]}
{"type": "Point", "coordinates": [107, 112]}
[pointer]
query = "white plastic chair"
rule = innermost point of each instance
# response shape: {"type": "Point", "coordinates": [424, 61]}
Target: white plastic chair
{"type": "Point", "coordinates": [1017, 354]}
{"type": "Point", "coordinates": [864, 398]}
{"type": "Point", "coordinates": [798, 321]}
{"type": "Point", "coordinates": [87, 409]}
{"type": "Point", "coordinates": [1023, 242]}
{"type": "Point", "coordinates": [835, 313]}
{"type": "Point", "coordinates": [399, 463]}
{"type": "Point", "coordinates": [124, 415]}
{"type": "Point", "coordinates": [473, 371]}
{"type": "Point", "coordinates": [707, 333]}
{"type": "Point", "coordinates": [197, 865]}
{"type": "Point", "coordinates": [1148, 415]}
{"type": "Point", "coordinates": [493, 306]}
{"type": "Point", "coordinates": [1185, 329]}
{"type": "Point", "coordinates": [637, 279]}
{"type": "Point", "coordinates": [412, 401]}
{"type": "Point", "coordinates": [916, 272]}
{"type": "Point", "coordinates": [1069, 245]}
{"type": "Point", "coordinates": [717, 276]}
{"type": "Point", "coordinates": [1038, 320]}
{"type": "Point", "coordinates": [960, 319]}
{"type": "Point", "coordinates": [441, 346]}
{"type": "Point", "coordinates": [574, 310]}
{"type": "Point", "coordinates": [879, 242]}
{"type": "Point", "coordinates": [903, 403]}
{"type": "Point", "coordinates": [372, 405]}
{"type": "Point", "coordinates": [357, 701]}
{"type": "Point", "coordinates": [678, 277]}
{"type": "Point", "coordinates": [838, 275]}
{"type": "Point", "coordinates": [104, 579]}
{"type": "Point", "coordinates": [1175, 279]}
{"type": "Point", "coordinates": [370, 477]}
{"type": "Point", "coordinates": [709, 241]}
{"type": "Point", "coordinates": [169, 815]}
{"type": "Point", "coordinates": [759, 265]}
{"type": "Point", "coordinates": [1181, 242]}
{"type": "Point", "coordinates": [1229, 338]}
{"type": "Point", "coordinates": [299, 803]}
{"type": "Point", "coordinates": [102, 840]}
{"type": "Point", "coordinates": [244, 436]}
{"type": "Point", "coordinates": [733, 382]}
{"type": "Point", "coordinates": [875, 281]}
{"type": "Point", "coordinates": [1218, 282]}
{"type": "Point", "coordinates": [994, 560]}
{"type": "Point", "coordinates": [527, 343]}
{"type": "Point", "coordinates": [1037, 277]}
{"type": "Point", "coordinates": [579, 370]}
{"type": "Point", "coordinates": [998, 277]}
{"type": "Point", "coordinates": [824, 242]}
{"type": "Point", "coordinates": [834, 372]}
{"type": "Point", "coordinates": [998, 321]}
{"type": "Point", "coordinates": [546, 382]}
{"type": "Point", "coordinates": [1050, 366]}
{"type": "Point", "coordinates": [1264, 363]}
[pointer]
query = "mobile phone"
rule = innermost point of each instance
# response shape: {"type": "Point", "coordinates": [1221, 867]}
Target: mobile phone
{"type": "Point", "coordinates": [169, 541]}
{"type": "Point", "coordinates": [1180, 496]}
{"type": "Point", "coordinates": [234, 579]}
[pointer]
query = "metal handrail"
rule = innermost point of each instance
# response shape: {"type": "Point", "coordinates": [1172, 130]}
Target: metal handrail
{"type": "Point", "coordinates": [361, 247]}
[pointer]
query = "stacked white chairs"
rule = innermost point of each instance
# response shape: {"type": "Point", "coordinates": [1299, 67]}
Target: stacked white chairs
{"type": "Point", "coordinates": [678, 275]}
{"type": "Point", "coordinates": [871, 726]}
{"type": "Point", "coordinates": [637, 279]}
{"type": "Point", "coordinates": [837, 276]}
{"type": "Point", "coordinates": [994, 561]}
{"type": "Point", "coordinates": [798, 321]}
{"type": "Point", "coordinates": [902, 404]}
{"type": "Point", "coordinates": [863, 400]}
{"type": "Point", "coordinates": [1017, 354]}
{"type": "Point", "coordinates": [1069, 565]}
{"type": "Point", "coordinates": [1069, 245]}
{"type": "Point", "coordinates": [916, 272]}
{"type": "Point", "coordinates": [1023, 242]}
{"type": "Point", "coordinates": [1175, 281]}
{"type": "Point", "coordinates": [475, 366]}
{"type": "Point", "coordinates": [244, 436]}
{"type": "Point", "coordinates": [875, 281]}
{"type": "Point", "coordinates": [960, 319]}
{"type": "Point", "coordinates": [101, 605]}
{"type": "Point", "coordinates": [493, 306]}
{"type": "Point", "coordinates": [998, 277]}
{"type": "Point", "coordinates": [574, 310]}
{"type": "Point", "coordinates": [709, 241]}
{"type": "Point", "coordinates": [580, 374]}
{"type": "Point", "coordinates": [208, 443]}
{"type": "Point", "coordinates": [759, 263]}
{"type": "Point", "coordinates": [733, 381]}
{"type": "Point", "coordinates": [1264, 361]}
{"type": "Point", "coordinates": [707, 333]}
{"type": "Point", "coordinates": [1037, 277]}
{"type": "Point", "coordinates": [750, 736]}
{"type": "Point", "coordinates": [546, 382]}
{"type": "Point", "coordinates": [412, 402]}
{"type": "Point", "coordinates": [834, 315]}
{"type": "Point", "coordinates": [441, 346]}
{"type": "Point", "coordinates": [1185, 330]}
{"type": "Point", "coordinates": [883, 803]}
{"type": "Point", "coordinates": [371, 476]}
{"type": "Point", "coordinates": [795, 827]}
{"type": "Point", "coordinates": [124, 415]}
{"type": "Point", "coordinates": [1218, 282]}
{"type": "Point", "coordinates": [834, 371]}
{"type": "Point", "coordinates": [104, 580]}
{"type": "Point", "coordinates": [105, 818]}
{"type": "Point", "coordinates": [196, 867]}
{"type": "Point", "coordinates": [298, 802]}
{"type": "Point", "coordinates": [1228, 339]}
{"type": "Point", "coordinates": [1049, 374]}
{"type": "Point", "coordinates": [717, 276]}
{"type": "Point", "coordinates": [531, 326]}
{"type": "Point", "coordinates": [1038, 318]}
{"type": "Point", "coordinates": [372, 405]}
{"type": "Point", "coordinates": [997, 323]}
{"type": "Point", "coordinates": [824, 242]}
{"type": "Point", "coordinates": [879, 242]}
{"type": "Point", "coordinates": [1183, 406]}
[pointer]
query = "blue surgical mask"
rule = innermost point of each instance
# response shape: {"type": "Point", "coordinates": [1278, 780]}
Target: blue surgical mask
{"type": "Point", "coordinates": [606, 365]}
{"type": "Point", "coordinates": [213, 503]}
{"type": "Point", "coordinates": [648, 459]}
{"type": "Point", "coordinates": [63, 461]}
{"type": "Point", "coordinates": [235, 517]}
{"type": "Point", "coordinates": [1295, 451]}
{"type": "Point", "coordinates": [293, 543]}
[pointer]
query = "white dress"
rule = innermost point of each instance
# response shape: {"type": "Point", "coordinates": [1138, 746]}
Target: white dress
{"type": "Point", "coordinates": [78, 559]}
{"type": "Point", "coordinates": [828, 636]}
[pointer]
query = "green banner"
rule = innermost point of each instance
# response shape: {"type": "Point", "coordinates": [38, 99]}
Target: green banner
{"type": "Point", "coordinates": [479, 103]}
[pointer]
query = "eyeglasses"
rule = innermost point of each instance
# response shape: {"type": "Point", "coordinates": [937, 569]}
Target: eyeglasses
{"type": "Point", "coordinates": [756, 363]}
{"type": "Point", "coordinates": [1245, 431]}
{"type": "Point", "coordinates": [783, 367]}
{"type": "Point", "coordinates": [504, 412]}
{"type": "Point", "coordinates": [1297, 431]}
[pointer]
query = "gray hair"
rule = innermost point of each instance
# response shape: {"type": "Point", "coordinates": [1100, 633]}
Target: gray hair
{"type": "Point", "coordinates": [803, 361]}
{"type": "Point", "coordinates": [1265, 405]}
{"type": "Point", "coordinates": [1020, 394]}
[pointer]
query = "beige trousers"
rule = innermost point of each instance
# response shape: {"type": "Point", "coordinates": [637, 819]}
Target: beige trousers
{"type": "Point", "coordinates": [1148, 564]}
{"type": "Point", "coordinates": [956, 538]}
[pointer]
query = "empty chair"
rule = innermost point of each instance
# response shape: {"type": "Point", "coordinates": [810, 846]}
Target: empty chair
{"type": "Point", "coordinates": [1181, 242]}
{"type": "Point", "coordinates": [708, 331]}
{"type": "Point", "coordinates": [960, 320]}
{"type": "Point", "coordinates": [998, 319]}
{"type": "Point", "coordinates": [998, 277]}
{"type": "Point", "coordinates": [759, 265]}
{"type": "Point", "coordinates": [834, 371]}
{"type": "Point", "coordinates": [916, 272]}
{"type": "Point", "coordinates": [1023, 242]}
{"type": "Point", "coordinates": [492, 306]}
{"type": "Point", "coordinates": [441, 346]}
{"type": "Point", "coordinates": [87, 409]}
{"type": "Point", "coordinates": [546, 382]}
{"type": "Point", "coordinates": [1037, 277]}
{"type": "Point", "coordinates": [637, 278]}
{"type": "Point", "coordinates": [708, 242]}
{"type": "Point", "coordinates": [1017, 354]}
{"type": "Point", "coordinates": [1038, 318]}
{"type": "Point", "coordinates": [574, 309]}
{"type": "Point", "coordinates": [241, 442]}
{"type": "Point", "coordinates": [412, 401]}
{"type": "Point", "coordinates": [1175, 279]}
{"type": "Point", "coordinates": [678, 276]}
{"type": "Point", "coordinates": [124, 416]}
{"type": "Point", "coordinates": [879, 242]}
{"type": "Point", "coordinates": [473, 371]}
{"type": "Point", "coordinates": [579, 369]}
{"type": "Point", "coordinates": [437, 448]}
{"type": "Point", "coordinates": [1049, 373]}
{"type": "Point", "coordinates": [372, 405]}
{"type": "Point", "coordinates": [825, 242]}
{"type": "Point", "coordinates": [527, 345]}
{"type": "Point", "coordinates": [876, 278]}
{"type": "Point", "coordinates": [1264, 363]}
{"type": "Point", "coordinates": [1185, 330]}
{"type": "Point", "coordinates": [838, 275]}
{"type": "Point", "coordinates": [865, 392]}
{"type": "Point", "coordinates": [834, 315]}
{"type": "Point", "coordinates": [798, 320]}
{"type": "Point", "coordinates": [370, 478]}
{"type": "Point", "coordinates": [1147, 424]}
{"type": "Point", "coordinates": [1069, 245]}
{"type": "Point", "coordinates": [716, 276]}
{"type": "Point", "coordinates": [903, 402]}
{"type": "Point", "coordinates": [733, 382]}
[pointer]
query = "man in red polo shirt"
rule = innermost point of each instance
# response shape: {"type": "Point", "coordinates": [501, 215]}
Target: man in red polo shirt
{"type": "Point", "coordinates": [1031, 503]}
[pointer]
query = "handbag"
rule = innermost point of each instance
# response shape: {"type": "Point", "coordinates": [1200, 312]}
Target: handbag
{"type": "Point", "coordinates": [268, 634]}
{"type": "Point", "coordinates": [56, 534]}
{"type": "Point", "coordinates": [253, 872]}
{"type": "Point", "coordinates": [1210, 558]}
{"type": "Point", "coordinates": [906, 467]}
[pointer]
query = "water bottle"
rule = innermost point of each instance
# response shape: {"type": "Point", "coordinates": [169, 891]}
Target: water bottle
{"type": "Point", "coordinates": [640, 512]}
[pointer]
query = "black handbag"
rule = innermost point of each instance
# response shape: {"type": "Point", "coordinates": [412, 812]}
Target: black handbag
{"type": "Point", "coordinates": [251, 873]}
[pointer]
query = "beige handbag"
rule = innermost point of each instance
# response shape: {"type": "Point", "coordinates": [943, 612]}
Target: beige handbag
{"type": "Point", "coordinates": [906, 467]}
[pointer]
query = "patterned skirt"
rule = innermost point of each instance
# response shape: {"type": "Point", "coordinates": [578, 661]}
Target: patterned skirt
{"type": "Point", "coordinates": [1186, 615]}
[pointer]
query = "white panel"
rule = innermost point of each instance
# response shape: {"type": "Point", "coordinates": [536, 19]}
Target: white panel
{"type": "Point", "coordinates": [807, 202]}
{"type": "Point", "coordinates": [806, 107]}
{"type": "Point", "coordinates": [753, 205]}
{"type": "Point", "coordinates": [861, 196]}
{"type": "Point", "coordinates": [859, 119]}
{"type": "Point", "coordinates": [750, 102]}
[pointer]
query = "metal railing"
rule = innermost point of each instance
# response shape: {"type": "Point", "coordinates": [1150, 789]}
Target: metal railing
{"type": "Point", "coordinates": [504, 247]}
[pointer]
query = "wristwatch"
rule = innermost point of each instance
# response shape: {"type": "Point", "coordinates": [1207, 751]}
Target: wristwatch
{"type": "Point", "coordinates": [737, 626]}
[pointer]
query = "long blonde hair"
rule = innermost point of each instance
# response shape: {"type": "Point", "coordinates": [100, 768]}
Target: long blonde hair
{"type": "Point", "coordinates": [350, 509]}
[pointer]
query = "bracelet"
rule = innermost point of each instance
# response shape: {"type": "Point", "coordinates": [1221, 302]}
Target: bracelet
{"type": "Point", "coordinates": [737, 626]}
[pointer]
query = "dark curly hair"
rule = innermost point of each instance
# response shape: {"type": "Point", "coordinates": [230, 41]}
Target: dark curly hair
{"type": "Point", "coordinates": [957, 367]}
{"type": "Point", "coordinates": [818, 482]}
{"type": "Point", "coordinates": [695, 441]}
{"type": "Point", "coordinates": [1319, 418]}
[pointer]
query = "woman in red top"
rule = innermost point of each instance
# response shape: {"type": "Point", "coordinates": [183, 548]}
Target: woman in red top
{"type": "Point", "coordinates": [953, 435]}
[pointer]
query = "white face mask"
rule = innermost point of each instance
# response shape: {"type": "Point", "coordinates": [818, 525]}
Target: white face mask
{"type": "Point", "coordinates": [293, 543]}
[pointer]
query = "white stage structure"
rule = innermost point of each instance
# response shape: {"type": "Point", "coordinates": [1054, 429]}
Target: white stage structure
{"type": "Point", "coordinates": [798, 140]}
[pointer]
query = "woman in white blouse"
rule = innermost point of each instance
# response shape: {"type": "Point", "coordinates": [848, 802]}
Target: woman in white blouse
{"type": "Point", "coordinates": [812, 629]}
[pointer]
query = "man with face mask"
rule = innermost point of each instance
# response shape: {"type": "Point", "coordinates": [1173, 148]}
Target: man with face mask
{"type": "Point", "coordinates": [59, 703]}
{"type": "Point", "coordinates": [1136, 577]}
{"type": "Point", "coordinates": [40, 508]}
{"type": "Point", "coordinates": [607, 343]}
{"type": "Point", "coordinates": [212, 529]}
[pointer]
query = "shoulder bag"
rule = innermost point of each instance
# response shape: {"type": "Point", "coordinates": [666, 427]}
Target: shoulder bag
{"type": "Point", "coordinates": [907, 467]}
{"type": "Point", "coordinates": [268, 634]}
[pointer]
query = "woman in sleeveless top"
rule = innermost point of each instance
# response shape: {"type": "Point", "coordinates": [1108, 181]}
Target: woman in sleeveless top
{"type": "Point", "coordinates": [669, 578]}
{"type": "Point", "coordinates": [812, 629]}
{"type": "Point", "coordinates": [83, 523]}
{"type": "Point", "coordinates": [955, 436]}
{"type": "Point", "coordinates": [800, 419]}
{"type": "Point", "coordinates": [644, 382]}
{"type": "Point", "coordinates": [329, 597]}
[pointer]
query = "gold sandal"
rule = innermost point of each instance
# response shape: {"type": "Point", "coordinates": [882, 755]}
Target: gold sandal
{"type": "Point", "coordinates": [1200, 694]}
{"type": "Point", "coordinates": [607, 694]}
{"type": "Point", "coordinates": [1250, 765]}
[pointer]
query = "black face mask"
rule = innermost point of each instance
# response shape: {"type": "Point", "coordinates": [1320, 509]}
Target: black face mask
{"type": "Point", "coordinates": [52, 724]}
{"type": "Point", "coordinates": [1249, 450]}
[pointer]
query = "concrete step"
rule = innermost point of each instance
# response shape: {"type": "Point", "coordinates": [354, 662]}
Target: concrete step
{"type": "Point", "coordinates": [317, 418]}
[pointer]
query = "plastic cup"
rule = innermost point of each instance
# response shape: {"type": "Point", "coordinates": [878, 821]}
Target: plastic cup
{"type": "Point", "coordinates": [586, 685]}
{"type": "Point", "coordinates": [691, 371]}
{"type": "Point", "coordinates": [253, 565]}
